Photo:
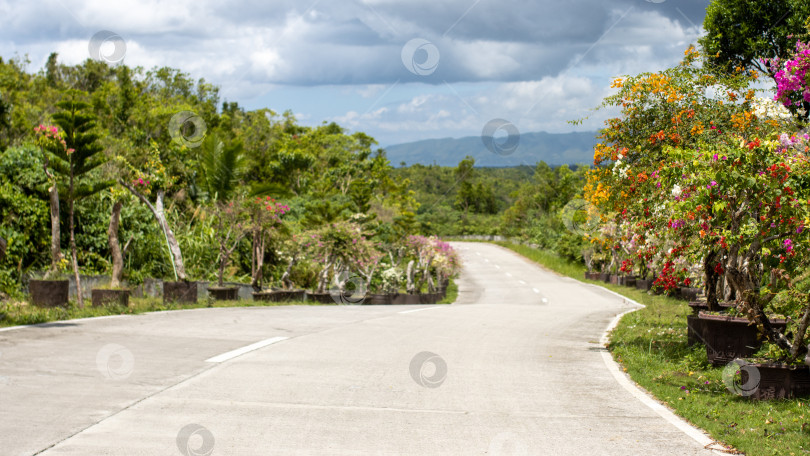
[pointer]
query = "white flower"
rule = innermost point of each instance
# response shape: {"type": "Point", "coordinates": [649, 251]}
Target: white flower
{"type": "Point", "coordinates": [676, 190]}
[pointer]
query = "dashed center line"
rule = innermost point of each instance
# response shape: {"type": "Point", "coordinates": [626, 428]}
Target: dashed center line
{"type": "Point", "coordinates": [522, 282]}
{"type": "Point", "coordinates": [509, 274]}
{"type": "Point", "coordinates": [246, 349]}
{"type": "Point", "coordinates": [498, 267]}
{"type": "Point", "coordinates": [536, 290]}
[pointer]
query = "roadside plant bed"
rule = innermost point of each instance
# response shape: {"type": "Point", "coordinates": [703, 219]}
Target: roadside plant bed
{"type": "Point", "coordinates": [694, 325]}
{"type": "Point", "coordinates": [728, 338]}
{"type": "Point", "coordinates": [651, 346]}
{"type": "Point", "coordinates": [280, 295]}
{"type": "Point", "coordinates": [224, 293]}
{"type": "Point", "coordinates": [645, 285]}
{"type": "Point", "coordinates": [49, 293]}
{"type": "Point", "coordinates": [103, 297]}
{"type": "Point", "coordinates": [185, 292]}
{"type": "Point", "coordinates": [776, 381]}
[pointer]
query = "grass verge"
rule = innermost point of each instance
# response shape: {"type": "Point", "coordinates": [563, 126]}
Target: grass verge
{"type": "Point", "coordinates": [651, 346]}
{"type": "Point", "coordinates": [21, 313]}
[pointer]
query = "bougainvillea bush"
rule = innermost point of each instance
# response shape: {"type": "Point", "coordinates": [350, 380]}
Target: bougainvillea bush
{"type": "Point", "coordinates": [712, 185]}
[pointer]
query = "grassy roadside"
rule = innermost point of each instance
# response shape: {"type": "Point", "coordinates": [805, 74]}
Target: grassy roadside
{"type": "Point", "coordinates": [21, 313]}
{"type": "Point", "coordinates": [651, 346]}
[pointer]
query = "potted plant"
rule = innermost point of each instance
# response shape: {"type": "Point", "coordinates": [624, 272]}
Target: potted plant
{"type": "Point", "coordinates": [220, 169]}
{"type": "Point", "coordinates": [114, 294]}
{"type": "Point", "coordinates": [148, 180]}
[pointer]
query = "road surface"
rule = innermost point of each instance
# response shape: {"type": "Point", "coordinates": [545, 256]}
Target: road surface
{"type": "Point", "coordinates": [514, 367]}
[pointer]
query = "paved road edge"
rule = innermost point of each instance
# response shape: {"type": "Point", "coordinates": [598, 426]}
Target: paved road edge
{"type": "Point", "coordinates": [697, 434]}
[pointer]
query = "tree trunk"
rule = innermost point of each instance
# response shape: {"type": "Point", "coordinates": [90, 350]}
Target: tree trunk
{"type": "Point", "coordinates": [223, 261]}
{"type": "Point", "coordinates": [285, 279]}
{"type": "Point", "coordinates": [3, 245]}
{"type": "Point", "coordinates": [160, 216]}
{"type": "Point", "coordinates": [711, 281]}
{"type": "Point", "coordinates": [115, 246]}
{"type": "Point", "coordinates": [56, 250]}
{"type": "Point", "coordinates": [73, 252]}
{"type": "Point", "coordinates": [409, 275]}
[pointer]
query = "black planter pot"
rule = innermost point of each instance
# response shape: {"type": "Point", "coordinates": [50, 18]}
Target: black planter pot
{"type": "Point", "coordinates": [429, 298]}
{"type": "Point", "coordinates": [280, 295]}
{"type": "Point", "coordinates": [689, 293]}
{"type": "Point", "coordinates": [102, 297]}
{"type": "Point", "coordinates": [404, 298]}
{"type": "Point", "coordinates": [630, 281]}
{"type": "Point", "coordinates": [698, 306]}
{"type": "Point", "coordinates": [378, 299]}
{"type": "Point", "coordinates": [323, 298]}
{"type": "Point", "coordinates": [728, 338]}
{"type": "Point", "coordinates": [49, 293]}
{"type": "Point", "coordinates": [604, 277]}
{"type": "Point", "coordinates": [224, 293]}
{"type": "Point", "coordinates": [776, 381]}
{"type": "Point", "coordinates": [183, 292]}
{"type": "Point", "coordinates": [642, 284]}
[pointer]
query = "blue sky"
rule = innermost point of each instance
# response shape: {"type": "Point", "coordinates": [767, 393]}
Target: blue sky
{"type": "Point", "coordinates": [397, 70]}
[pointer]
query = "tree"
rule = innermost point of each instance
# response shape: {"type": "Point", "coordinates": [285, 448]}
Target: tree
{"type": "Point", "coordinates": [80, 155]}
{"type": "Point", "coordinates": [220, 169]}
{"type": "Point", "coordinates": [740, 33]}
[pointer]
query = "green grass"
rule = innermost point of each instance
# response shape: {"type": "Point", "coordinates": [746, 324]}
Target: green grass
{"type": "Point", "coordinates": [651, 346]}
{"type": "Point", "coordinates": [21, 313]}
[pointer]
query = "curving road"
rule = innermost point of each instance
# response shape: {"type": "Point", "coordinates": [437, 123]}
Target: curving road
{"type": "Point", "coordinates": [514, 367]}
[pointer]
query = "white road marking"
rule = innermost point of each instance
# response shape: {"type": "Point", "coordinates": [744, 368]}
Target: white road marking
{"type": "Point", "coordinates": [497, 266]}
{"type": "Point", "coordinates": [508, 274]}
{"type": "Point", "coordinates": [535, 290]}
{"type": "Point", "coordinates": [478, 253]}
{"type": "Point", "coordinates": [522, 282]}
{"type": "Point", "coordinates": [419, 310]}
{"type": "Point", "coordinates": [241, 351]}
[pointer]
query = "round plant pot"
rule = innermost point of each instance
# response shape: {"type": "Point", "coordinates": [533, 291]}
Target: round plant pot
{"type": "Point", "coordinates": [728, 338]}
{"type": "Point", "coordinates": [49, 293]}
{"type": "Point", "coordinates": [224, 293]}
{"type": "Point", "coordinates": [630, 281]}
{"type": "Point", "coordinates": [614, 279]}
{"type": "Point", "coordinates": [404, 298]}
{"type": "Point", "coordinates": [104, 297]}
{"type": "Point", "coordinates": [604, 277]}
{"type": "Point", "coordinates": [776, 381]}
{"type": "Point", "coordinates": [184, 292]}
{"type": "Point", "coordinates": [378, 299]}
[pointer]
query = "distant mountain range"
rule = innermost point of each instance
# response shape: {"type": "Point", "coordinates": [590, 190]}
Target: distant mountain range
{"type": "Point", "coordinates": [552, 148]}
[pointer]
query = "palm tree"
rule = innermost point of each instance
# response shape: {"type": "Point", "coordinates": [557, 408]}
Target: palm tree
{"type": "Point", "coordinates": [221, 166]}
{"type": "Point", "coordinates": [80, 155]}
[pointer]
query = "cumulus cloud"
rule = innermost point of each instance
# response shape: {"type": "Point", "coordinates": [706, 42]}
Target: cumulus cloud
{"type": "Point", "coordinates": [538, 62]}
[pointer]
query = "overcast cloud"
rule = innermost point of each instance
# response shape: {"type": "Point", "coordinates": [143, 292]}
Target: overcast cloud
{"type": "Point", "coordinates": [537, 64]}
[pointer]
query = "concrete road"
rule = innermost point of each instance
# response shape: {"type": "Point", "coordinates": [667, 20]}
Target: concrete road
{"type": "Point", "coordinates": [513, 368]}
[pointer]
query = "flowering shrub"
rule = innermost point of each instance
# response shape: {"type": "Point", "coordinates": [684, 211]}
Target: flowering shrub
{"type": "Point", "coordinates": [793, 80]}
